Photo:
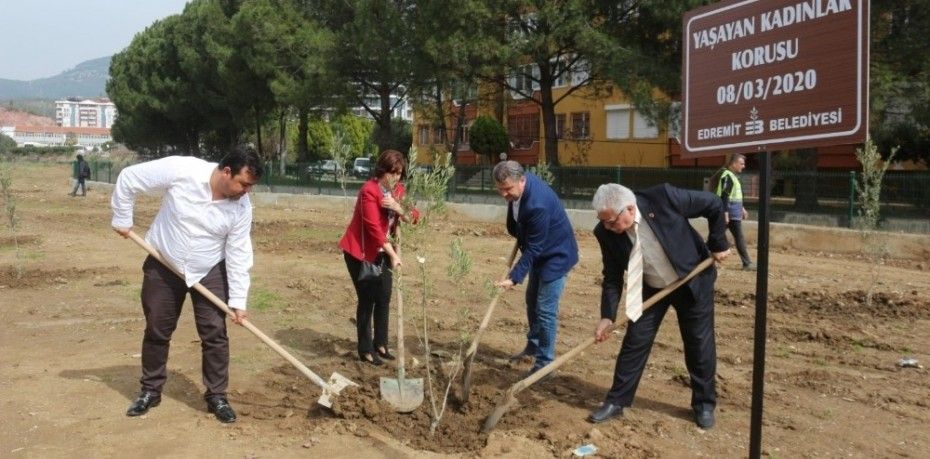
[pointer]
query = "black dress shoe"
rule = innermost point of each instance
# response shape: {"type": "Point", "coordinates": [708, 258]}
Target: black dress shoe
{"type": "Point", "coordinates": [386, 355]}
{"type": "Point", "coordinates": [704, 419]}
{"type": "Point", "coordinates": [220, 408]}
{"type": "Point", "coordinates": [370, 358]}
{"type": "Point", "coordinates": [606, 412]}
{"type": "Point", "coordinates": [143, 402]}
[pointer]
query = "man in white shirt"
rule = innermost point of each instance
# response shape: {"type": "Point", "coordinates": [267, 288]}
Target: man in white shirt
{"type": "Point", "coordinates": [203, 229]}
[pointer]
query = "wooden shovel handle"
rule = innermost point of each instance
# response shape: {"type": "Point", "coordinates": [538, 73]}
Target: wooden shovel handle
{"type": "Point", "coordinates": [542, 372]}
{"type": "Point", "coordinates": [510, 396]}
{"type": "Point", "coordinates": [487, 314]}
{"type": "Point", "coordinates": [225, 308]}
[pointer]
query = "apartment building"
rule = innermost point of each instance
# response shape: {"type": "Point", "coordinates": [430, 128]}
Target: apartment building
{"type": "Point", "coordinates": [91, 113]}
{"type": "Point", "coordinates": [594, 127]}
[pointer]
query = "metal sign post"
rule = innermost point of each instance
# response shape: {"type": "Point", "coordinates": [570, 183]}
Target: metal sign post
{"type": "Point", "coordinates": [762, 292]}
{"type": "Point", "coordinates": [764, 75]}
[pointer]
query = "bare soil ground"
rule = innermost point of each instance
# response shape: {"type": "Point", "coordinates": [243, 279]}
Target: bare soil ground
{"type": "Point", "coordinates": [72, 327]}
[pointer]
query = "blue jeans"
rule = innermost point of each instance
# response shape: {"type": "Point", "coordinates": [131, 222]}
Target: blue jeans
{"type": "Point", "coordinates": [542, 313]}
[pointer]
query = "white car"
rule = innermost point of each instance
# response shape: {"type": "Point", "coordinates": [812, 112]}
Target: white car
{"type": "Point", "coordinates": [361, 167]}
{"type": "Point", "coordinates": [323, 167]}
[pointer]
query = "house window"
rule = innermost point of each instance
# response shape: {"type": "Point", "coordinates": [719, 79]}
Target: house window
{"type": "Point", "coordinates": [561, 73]}
{"type": "Point", "coordinates": [439, 135]}
{"type": "Point", "coordinates": [525, 80]}
{"type": "Point", "coordinates": [644, 128]}
{"type": "Point", "coordinates": [463, 138]}
{"type": "Point", "coordinates": [560, 126]}
{"type": "Point", "coordinates": [618, 122]}
{"type": "Point", "coordinates": [581, 125]}
{"type": "Point", "coordinates": [580, 72]}
{"type": "Point", "coordinates": [523, 130]}
{"type": "Point", "coordinates": [423, 135]}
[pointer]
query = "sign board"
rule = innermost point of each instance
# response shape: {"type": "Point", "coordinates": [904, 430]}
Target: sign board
{"type": "Point", "coordinates": [773, 74]}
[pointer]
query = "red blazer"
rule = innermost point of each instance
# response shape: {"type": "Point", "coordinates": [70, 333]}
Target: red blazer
{"type": "Point", "coordinates": [370, 220]}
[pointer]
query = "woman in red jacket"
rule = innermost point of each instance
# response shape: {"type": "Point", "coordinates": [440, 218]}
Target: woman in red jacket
{"type": "Point", "coordinates": [378, 210]}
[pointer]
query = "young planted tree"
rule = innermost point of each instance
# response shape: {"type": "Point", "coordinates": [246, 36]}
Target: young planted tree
{"type": "Point", "coordinates": [427, 189]}
{"type": "Point", "coordinates": [9, 206]}
{"type": "Point", "coordinates": [868, 191]}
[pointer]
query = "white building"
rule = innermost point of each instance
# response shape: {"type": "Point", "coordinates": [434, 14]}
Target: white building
{"type": "Point", "coordinates": [51, 136]}
{"type": "Point", "coordinates": [93, 113]}
{"type": "Point", "coordinates": [402, 108]}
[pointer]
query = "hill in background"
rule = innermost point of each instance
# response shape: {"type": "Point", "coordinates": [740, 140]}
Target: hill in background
{"type": "Point", "coordinates": [13, 117]}
{"type": "Point", "coordinates": [88, 79]}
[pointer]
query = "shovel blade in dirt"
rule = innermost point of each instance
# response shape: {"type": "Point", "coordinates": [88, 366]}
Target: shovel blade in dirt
{"type": "Point", "coordinates": [337, 383]}
{"type": "Point", "coordinates": [405, 395]}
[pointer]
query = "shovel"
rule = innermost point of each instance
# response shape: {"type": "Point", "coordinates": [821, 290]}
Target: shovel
{"type": "Point", "coordinates": [405, 395]}
{"type": "Point", "coordinates": [473, 349]}
{"type": "Point", "coordinates": [510, 396]}
{"type": "Point", "coordinates": [336, 383]}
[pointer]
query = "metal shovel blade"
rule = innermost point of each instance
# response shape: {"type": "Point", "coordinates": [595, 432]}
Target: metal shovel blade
{"type": "Point", "coordinates": [405, 395]}
{"type": "Point", "coordinates": [337, 383]}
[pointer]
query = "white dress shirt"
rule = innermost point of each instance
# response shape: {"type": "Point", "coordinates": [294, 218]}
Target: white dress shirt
{"type": "Point", "coordinates": [191, 231]}
{"type": "Point", "coordinates": [658, 271]}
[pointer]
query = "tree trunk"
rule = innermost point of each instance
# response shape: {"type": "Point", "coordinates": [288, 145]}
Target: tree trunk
{"type": "Point", "coordinates": [805, 198]}
{"type": "Point", "coordinates": [384, 119]}
{"type": "Point", "coordinates": [282, 139]}
{"type": "Point", "coordinates": [258, 133]}
{"type": "Point", "coordinates": [303, 150]}
{"type": "Point", "coordinates": [547, 106]}
{"type": "Point", "coordinates": [459, 127]}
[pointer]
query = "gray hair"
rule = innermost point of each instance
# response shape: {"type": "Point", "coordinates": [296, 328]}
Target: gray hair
{"type": "Point", "coordinates": [612, 196]}
{"type": "Point", "coordinates": [507, 170]}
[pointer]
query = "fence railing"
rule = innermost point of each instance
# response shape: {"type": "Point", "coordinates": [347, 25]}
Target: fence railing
{"type": "Point", "coordinates": [904, 194]}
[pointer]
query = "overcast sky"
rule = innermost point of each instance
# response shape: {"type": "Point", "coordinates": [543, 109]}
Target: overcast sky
{"type": "Point", "coordinates": [42, 38]}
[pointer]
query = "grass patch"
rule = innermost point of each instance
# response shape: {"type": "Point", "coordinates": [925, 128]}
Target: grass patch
{"type": "Point", "coordinates": [262, 299]}
{"type": "Point", "coordinates": [314, 234]}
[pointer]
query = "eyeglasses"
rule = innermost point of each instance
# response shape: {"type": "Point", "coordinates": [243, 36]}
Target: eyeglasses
{"type": "Point", "coordinates": [614, 220]}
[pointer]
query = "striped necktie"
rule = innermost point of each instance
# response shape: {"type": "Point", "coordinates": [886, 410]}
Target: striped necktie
{"type": "Point", "coordinates": [634, 278]}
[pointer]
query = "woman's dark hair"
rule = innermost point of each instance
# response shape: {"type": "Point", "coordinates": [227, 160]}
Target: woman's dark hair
{"type": "Point", "coordinates": [80, 157]}
{"type": "Point", "coordinates": [243, 156]}
{"type": "Point", "coordinates": [390, 161]}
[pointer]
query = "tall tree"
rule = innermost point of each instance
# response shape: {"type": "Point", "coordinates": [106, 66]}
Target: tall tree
{"type": "Point", "coordinates": [900, 78]}
{"type": "Point", "coordinates": [286, 48]}
{"type": "Point", "coordinates": [373, 57]}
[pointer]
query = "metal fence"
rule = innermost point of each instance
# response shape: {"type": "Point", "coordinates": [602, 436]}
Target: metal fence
{"type": "Point", "coordinates": [904, 194]}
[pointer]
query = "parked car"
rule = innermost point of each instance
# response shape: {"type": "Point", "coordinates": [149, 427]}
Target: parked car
{"type": "Point", "coordinates": [322, 167]}
{"type": "Point", "coordinates": [361, 167]}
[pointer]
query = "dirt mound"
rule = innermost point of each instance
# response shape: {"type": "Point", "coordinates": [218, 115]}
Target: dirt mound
{"type": "Point", "coordinates": [891, 305]}
{"type": "Point", "coordinates": [13, 277]}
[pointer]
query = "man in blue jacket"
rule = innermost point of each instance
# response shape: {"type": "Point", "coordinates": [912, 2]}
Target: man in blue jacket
{"type": "Point", "coordinates": [548, 252]}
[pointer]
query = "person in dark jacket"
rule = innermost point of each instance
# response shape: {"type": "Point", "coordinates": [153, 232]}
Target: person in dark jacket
{"type": "Point", "coordinates": [548, 251]}
{"type": "Point", "coordinates": [83, 173]}
{"type": "Point", "coordinates": [654, 222]}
